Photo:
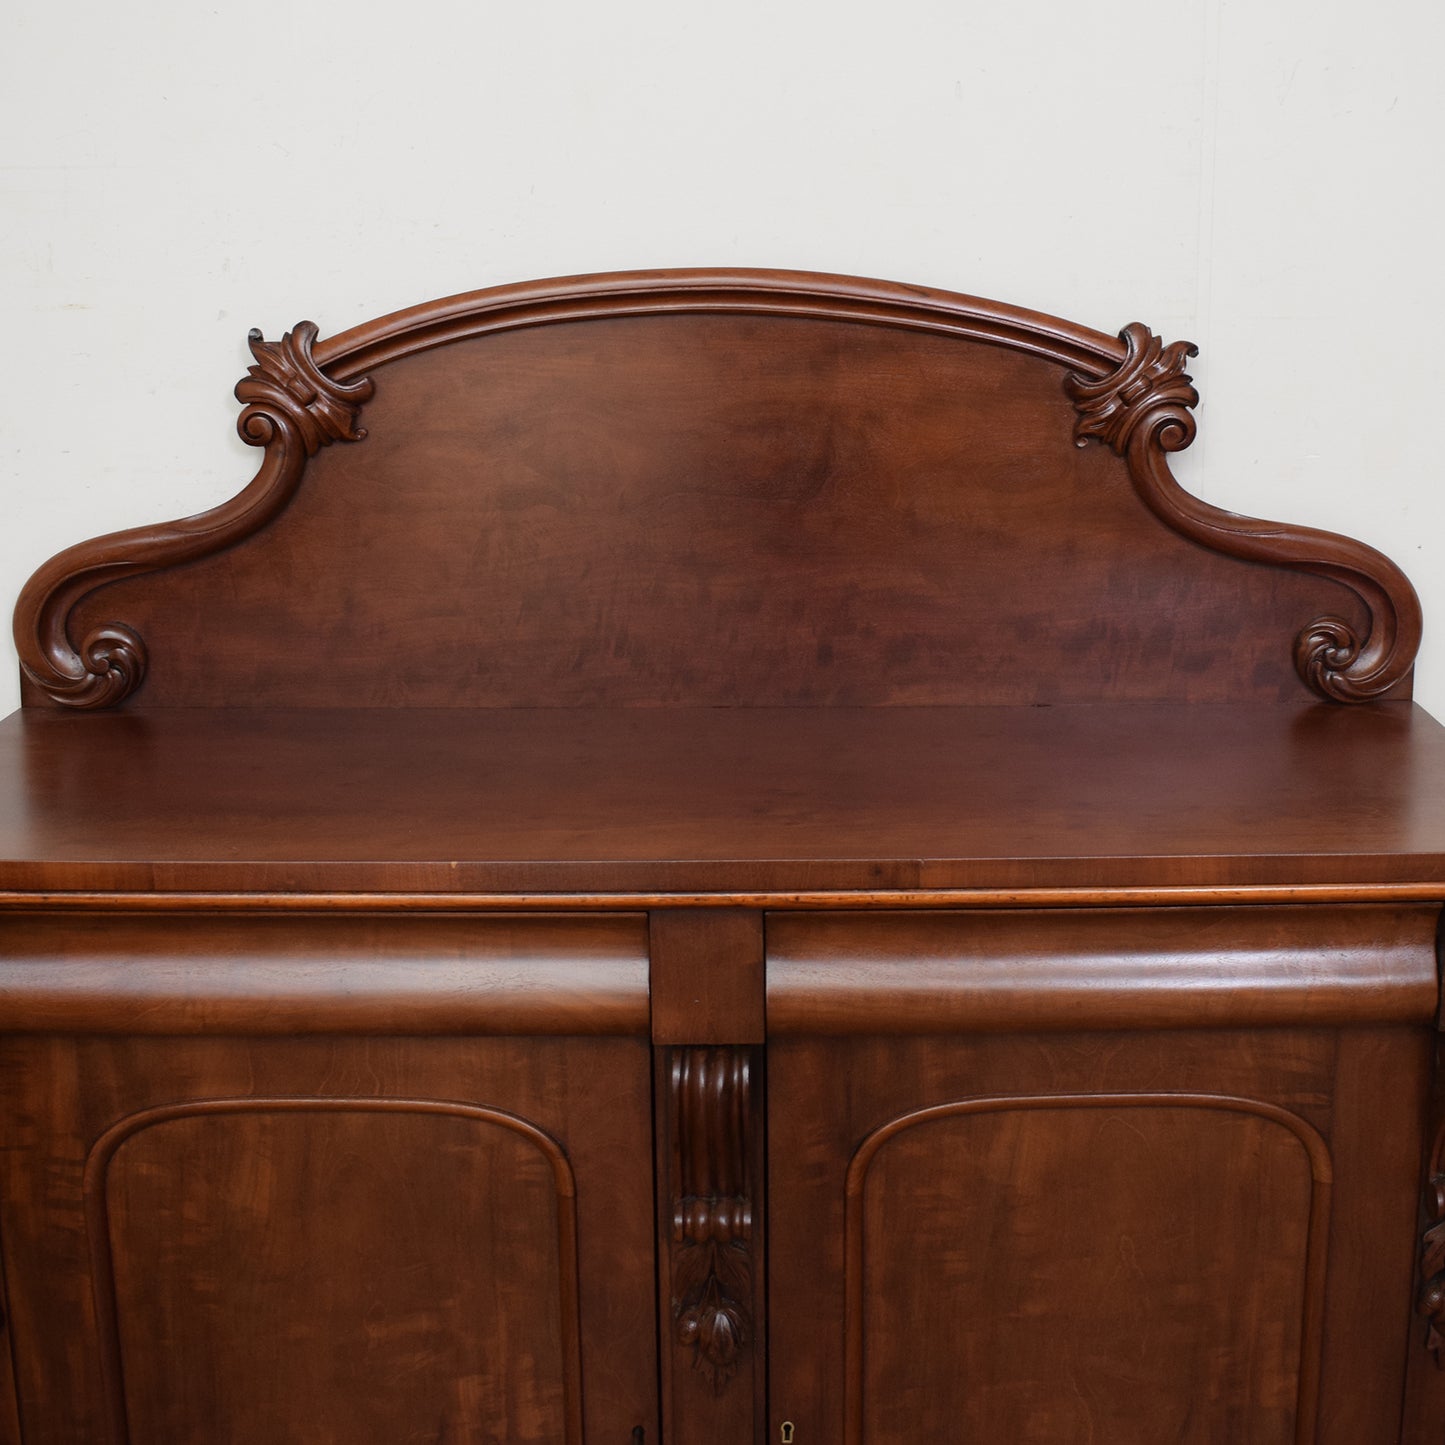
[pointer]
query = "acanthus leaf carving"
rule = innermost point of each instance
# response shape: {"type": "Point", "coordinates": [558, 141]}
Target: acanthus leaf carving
{"type": "Point", "coordinates": [286, 381]}
{"type": "Point", "coordinates": [711, 1318]}
{"type": "Point", "coordinates": [712, 1215]}
{"type": "Point", "coordinates": [1143, 410]}
{"type": "Point", "coordinates": [1150, 387]}
{"type": "Point", "coordinates": [292, 409]}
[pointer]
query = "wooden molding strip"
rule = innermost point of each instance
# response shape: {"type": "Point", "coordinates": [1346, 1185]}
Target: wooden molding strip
{"type": "Point", "coordinates": [1144, 897]}
{"type": "Point", "coordinates": [758, 292]}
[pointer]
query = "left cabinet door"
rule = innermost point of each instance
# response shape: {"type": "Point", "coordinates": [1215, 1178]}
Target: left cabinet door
{"type": "Point", "coordinates": [327, 1180]}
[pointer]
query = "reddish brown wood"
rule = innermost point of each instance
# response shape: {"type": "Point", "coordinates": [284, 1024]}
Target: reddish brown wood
{"type": "Point", "coordinates": [707, 976]}
{"type": "Point", "coordinates": [328, 1238]}
{"type": "Point", "coordinates": [714, 713]}
{"type": "Point", "coordinates": [1143, 411]}
{"type": "Point", "coordinates": [292, 409]}
{"type": "Point", "coordinates": [198, 973]}
{"type": "Point", "coordinates": [889, 1394]}
{"type": "Point", "coordinates": [711, 1284]}
{"type": "Point", "coordinates": [168, 1325]}
{"type": "Point", "coordinates": [985, 972]}
{"type": "Point", "coordinates": [9, 1404]}
{"type": "Point", "coordinates": [1425, 1386]}
{"type": "Point", "coordinates": [1088, 1216]}
{"type": "Point", "coordinates": [896, 463]}
{"type": "Point", "coordinates": [1380, 1080]}
{"type": "Point", "coordinates": [741, 801]}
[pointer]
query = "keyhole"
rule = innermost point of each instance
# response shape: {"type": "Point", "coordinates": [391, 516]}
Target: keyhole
{"type": "Point", "coordinates": [639, 1435]}
{"type": "Point", "coordinates": [787, 1432]}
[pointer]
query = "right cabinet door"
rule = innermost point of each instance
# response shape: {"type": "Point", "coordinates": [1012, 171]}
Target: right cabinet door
{"type": "Point", "coordinates": [1117, 1176]}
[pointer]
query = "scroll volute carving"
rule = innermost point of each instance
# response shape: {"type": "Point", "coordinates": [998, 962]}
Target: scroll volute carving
{"type": "Point", "coordinates": [292, 409]}
{"type": "Point", "coordinates": [1144, 410]}
{"type": "Point", "coordinates": [712, 1208]}
{"type": "Point", "coordinates": [1431, 1300]}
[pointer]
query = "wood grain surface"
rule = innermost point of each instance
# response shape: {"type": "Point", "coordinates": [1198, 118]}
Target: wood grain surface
{"type": "Point", "coordinates": [736, 488]}
{"type": "Point", "coordinates": [719, 857]}
{"type": "Point", "coordinates": [278, 975]}
{"type": "Point", "coordinates": [329, 1239]}
{"type": "Point", "coordinates": [1068, 1248]}
{"type": "Point", "coordinates": [736, 800]}
{"type": "Point", "coordinates": [981, 971]}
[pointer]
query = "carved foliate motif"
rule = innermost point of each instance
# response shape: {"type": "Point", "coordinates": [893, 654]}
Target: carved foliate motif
{"type": "Point", "coordinates": [1150, 386]}
{"type": "Point", "coordinates": [1143, 409]}
{"type": "Point", "coordinates": [286, 381]}
{"type": "Point", "coordinates": [1431, 1300]}
{"type": "Point", "coordinates": [292, 408]}
{"type": "Point", "coordinates": [712, 1214]}
{"type": "Point", "coordinates": [1132, 394]}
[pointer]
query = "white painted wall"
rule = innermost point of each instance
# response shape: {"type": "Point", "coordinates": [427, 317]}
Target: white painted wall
{"type": "Point", "coordinates": [1261, 176]}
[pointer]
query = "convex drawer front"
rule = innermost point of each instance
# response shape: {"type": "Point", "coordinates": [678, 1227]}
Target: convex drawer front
{"type": "Point", "coordinates": [328, 1179]}
{"type": "Point", "coordinates": [1077, 1176]}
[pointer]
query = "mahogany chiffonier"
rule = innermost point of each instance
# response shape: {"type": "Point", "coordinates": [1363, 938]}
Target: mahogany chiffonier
{"type": "Point", "coordinates": [720, 857]}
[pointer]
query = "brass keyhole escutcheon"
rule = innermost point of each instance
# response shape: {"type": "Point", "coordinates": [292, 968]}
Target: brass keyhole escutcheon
{"type": "Point", "coordinates": [786, 1432]}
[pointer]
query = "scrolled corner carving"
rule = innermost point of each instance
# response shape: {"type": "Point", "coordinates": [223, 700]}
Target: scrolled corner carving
{"type": "Point", "coordinates": [1143, 410]}
{"type": "Point", "coordinates": [1150, 395]}
{"type": "Point", "coordinates": [292, 408]}
{"type": "Point", "coordinates": [286, 383]}
{"type": "Point", "coordinates": [712, 1214]}
{"type": "Point", "coordinates": [113, 664]}
{"type": "Point", "coordinates": [1334, 661]}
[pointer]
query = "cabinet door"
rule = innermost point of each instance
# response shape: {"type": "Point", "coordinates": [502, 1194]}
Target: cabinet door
{"type": "Point", "coordinates": [1020, 1192]}
{"type": "Point", "coordinates": [284, 1228]}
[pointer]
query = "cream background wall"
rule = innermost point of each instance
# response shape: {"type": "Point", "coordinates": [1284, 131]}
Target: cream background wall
{"type": "Point", "coordinates": [1261, 176]}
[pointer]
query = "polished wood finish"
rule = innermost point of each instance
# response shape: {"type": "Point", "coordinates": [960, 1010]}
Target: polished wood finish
{"type": "Point", "coordinates": [712, 1245]}
{"type": "Point", "coordinates": [735, 801]}
{"type": "Point", "coordinates": [283, 975]}
{"type": "Point", "coordinates": [720, 857]}
{"type": "Point", "coordinates": [1425, 1385]}
{"type": "Point", "coordinates": [569, 492]}
{"type": "Point", "coordinates": [1021, 971]}
{"type": "Point", "coordinates": [302, 1239]}
{"type": "Point", "coordinates": [1147, 1218]}
{"type": "Point", "coordinates": [707, 976]}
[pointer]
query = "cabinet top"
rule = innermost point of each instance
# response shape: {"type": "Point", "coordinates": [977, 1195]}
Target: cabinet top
{"type": "Point", "coordinates": [751, 584]}
{"type": "Point", "coordinates": [772, 804]}
{"type": "Point", "coordinates": [730, 489]}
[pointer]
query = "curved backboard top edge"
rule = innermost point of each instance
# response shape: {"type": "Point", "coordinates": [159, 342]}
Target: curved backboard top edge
{"type": "Point", "coordinates": [762, 292]}
{"type": "Point", "coordinates": [1131, 393]}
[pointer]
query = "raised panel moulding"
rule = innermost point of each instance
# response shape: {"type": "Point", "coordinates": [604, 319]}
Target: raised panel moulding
{"type": "Point", "coordinates": [97, 1190]}
{"type": "Point", "coordinates": [1028, 1165]}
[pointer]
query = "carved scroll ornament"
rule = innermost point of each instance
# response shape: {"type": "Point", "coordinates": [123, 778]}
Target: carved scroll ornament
{"type": "Point", "coordinates": [712, 1215]}
{"type": "Point", "coordinates": [1144, 410]}
{"type": "Point", "coordinates": [1430, 1302]}
{"type": "Point", "coordinates": [1139, 403]}
{"type": "Point", "coordinates": [292, 409]}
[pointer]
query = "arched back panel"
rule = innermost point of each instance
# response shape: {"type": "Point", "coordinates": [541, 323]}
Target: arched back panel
{"type": "Point", "coordinates": [714, 489]}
